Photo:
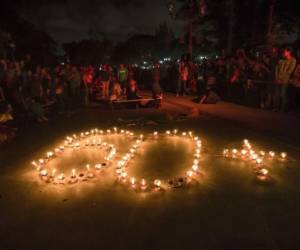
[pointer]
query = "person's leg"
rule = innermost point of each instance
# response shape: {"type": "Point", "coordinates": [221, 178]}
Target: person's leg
{"type": "Point", "coordinates": [284, 97]}
{"type": "Point", "coordinates": [276, 97]}
{"type": "Point", "coordinates": [184, 83]}
{"type": "Point", "coordinates": [178, 91]}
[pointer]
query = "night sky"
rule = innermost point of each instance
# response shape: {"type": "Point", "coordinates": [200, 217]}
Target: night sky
{"type": "Point", "coordinates": [72, 19]}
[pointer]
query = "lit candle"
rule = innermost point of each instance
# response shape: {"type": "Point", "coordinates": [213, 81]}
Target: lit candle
{"type": "Point", "coordinates": [88, 167]}
{"type": "Point", "coordinates": [264, 171]}
{"type": "Point", "coordinates": [190, 174]}
{"type": "Point", "coordinates": [195, 168]}
{"type": "Point", "coordinates": [175, 131]}
{"type": "Point", "coordinates": [49, 154]}
{"type": "Point", "coordinates": [184, 133]}
{"type": "Point", "coordinates": [283, 155]}
{"type": "Point", "coordinates": [143, 183]}
{"type": "Point", "coordinates": [61, 177]}
{"type": "Point", "coordinates": [234, 151]}
{"type": "Point", "coordinates": [53, 172]}
{"type": "Point", "coordinates": [157, 183]}
{"type": "Point", "coordinates": [124, 175]}
{"type": "Point", "coordinates": [98, 166]}
{"type": "Point", "coordinates": [259, 161]}
{"type": "Point", "coordinates": [73, 175]}
{"type": "Point", "coordinates": [196, 162]}
{"type": "Point", "coordinates": [244, 152]}
{"type": "Point", "coordinates": [43, 172]}
{"type": "Point", "coordinates": [262, 153]}
{"type": "Point", "coordinates": [272, 154]}
{"type": "Point", "coordinates": [225, 151]}
{"type": "Point", "coordinates": [133, 182]}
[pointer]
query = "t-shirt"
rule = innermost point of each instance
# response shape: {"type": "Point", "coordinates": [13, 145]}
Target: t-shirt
{"type": "Point", "coordinates": [122, 74]}
{"type": "Point", "coordinates": [284, 69]}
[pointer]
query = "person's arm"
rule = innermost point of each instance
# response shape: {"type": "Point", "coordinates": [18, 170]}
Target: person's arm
{"type": "Point", "coordinates": [276, 71]}
{"type": "Point", "coordinates": [291, 67]}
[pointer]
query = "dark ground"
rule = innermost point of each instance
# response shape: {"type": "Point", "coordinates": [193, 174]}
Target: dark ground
{"type": "Point", "coordinates": [228, 209]}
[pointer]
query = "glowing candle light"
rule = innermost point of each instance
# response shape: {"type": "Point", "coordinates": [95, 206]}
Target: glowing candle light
{"type": "Point", "coordinates": [53, 172]}
{"type": "Point", "coordinates": [234, 151]}
{"type": "Point", "coordinates": [264, 171]}
{"type": "Point", "coordinates": [43, 172]}
{"type": "Point", "coordinates": [41, 161]}
{"type": "Point", "coordinates": [196, 138]}
{"type": "Point", "coordinates": [225, 151]}
{"type": "Point", "coordinates": [272, 154]}
{"type": "Point", "coordinates": [98, 166]}
{"type": "Point", "coordinates": [73, 174]}
{"type": "Point", "coordinates": [262, 153]}
{"type": "Point", "coordinates": [175, 131]}
{"type": "Point", "coordinates": [196, 162]}
{"type": "Point", "coordinates": [108, 131]}
{"type": "Point", "coordinates": [184, 133]}
{"type": "Point", "coordinates": [254, 156]}
{"type": "Point", "coordinates": [61, 177]}
{"type": "Point", "coordinates": [259, 161]}
{"type": "Point", "coordinates": [157, 183]}
{"type": "Point", "coordinates": [168, 132]}
{"type": "Point", "coordinates": [244, 152]}
{"type": "Point", "coordinates": [88, 167]}
{"type": "Point", "coordinates": [87, 142]}
{"type": "Point", "coordinates": [143, 183]}
{"type": "Point", "coordinates": [197, 151]}
{"type": "Point", "coordinates": [190, 174]}
{"type": "Point", "coordinates": [124, 175]}
{"type": "Point", "coordinates": [283, 155]}
{"type": "Point", "coordinates": [141, 136]}
{"type": "Point", "coordinates": [246, 141]}
{"type": "Point", "coordinates": [49, 154]}
{"type": "Point", "coordinates": [195, 168]}
{"type": "Point", "coordinates": [115, 129]}
{"type": "Point", "coordinates": [133, 182]}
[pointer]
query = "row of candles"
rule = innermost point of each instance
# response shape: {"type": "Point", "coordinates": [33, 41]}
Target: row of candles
{"type": "Point", "coordinates": [75, 142]}
{"type": "Point", "coordinates": [157, 184]}
{"type": "Point", "coordinates": [247, 153]}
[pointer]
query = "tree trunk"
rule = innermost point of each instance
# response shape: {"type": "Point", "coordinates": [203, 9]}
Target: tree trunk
{"type": "Point", "coordinates": [231, 7]}
{"type": "Point", "coordinates": [190, 42]}
{"type": "Point", "coordinates": [269, 37]}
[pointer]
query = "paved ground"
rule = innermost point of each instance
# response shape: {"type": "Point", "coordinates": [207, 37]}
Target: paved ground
{"type": "Point", "coordinates": [228, 209]}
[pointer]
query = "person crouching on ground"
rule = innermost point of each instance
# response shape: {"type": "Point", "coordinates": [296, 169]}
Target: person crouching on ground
{"type": "Point", "coordinates": [116, 91]}
{"type": "Point", "coordinates": [157, 94]}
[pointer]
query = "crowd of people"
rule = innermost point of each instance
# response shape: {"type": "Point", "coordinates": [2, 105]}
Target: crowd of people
{"type": "Point", "coordinates": [266, 80]}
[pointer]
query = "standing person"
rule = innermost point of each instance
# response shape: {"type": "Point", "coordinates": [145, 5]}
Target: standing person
{"type": "Point", "coordinates": [283, 72]}
{"type": "Point", "coordinates": [183, 77]}
{"type": "Point", "coordinates": [295, 86]}
{"type": "Point", "coordinates": [271, 63]}
{"type": "Point", "coordinates": [75, 83]}
{"type": "Point", "coordinates": [123, 76]}
{"type": "Point", "coordinates": [105, 76]}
